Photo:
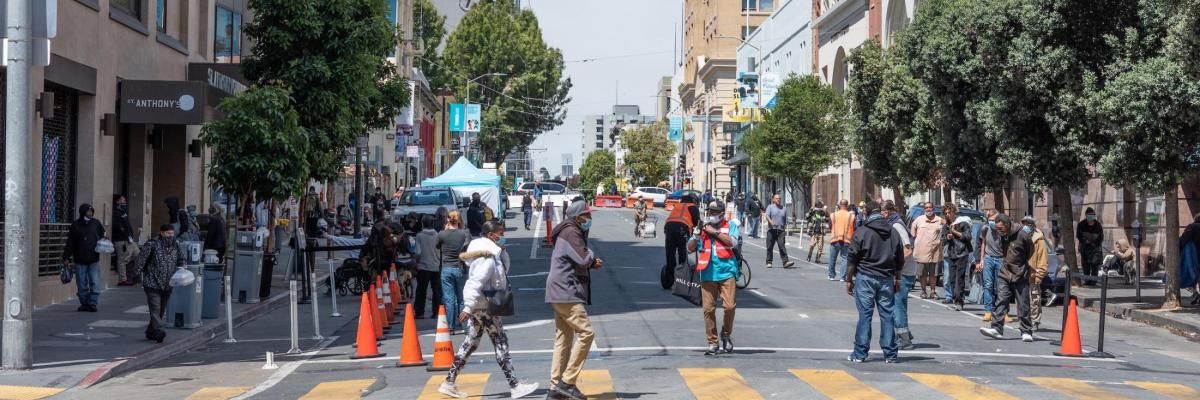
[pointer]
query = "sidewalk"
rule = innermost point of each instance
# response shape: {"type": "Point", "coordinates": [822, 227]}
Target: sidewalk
{"type": "Point", "coordinates": [72, 348]}
{"type": "Point", "coordinates": [1122, 303]}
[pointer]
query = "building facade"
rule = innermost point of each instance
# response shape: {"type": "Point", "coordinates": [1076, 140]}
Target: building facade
{"type": "Point", "coordinates": [601, 132]}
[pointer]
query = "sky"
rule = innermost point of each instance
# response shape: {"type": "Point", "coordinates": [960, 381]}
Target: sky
{"type": "Point", "coordinates": [638, 35]}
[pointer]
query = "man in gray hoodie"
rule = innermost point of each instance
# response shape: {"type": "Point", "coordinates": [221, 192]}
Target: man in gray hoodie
{"type": "Point", "coordinates": [568, 288]}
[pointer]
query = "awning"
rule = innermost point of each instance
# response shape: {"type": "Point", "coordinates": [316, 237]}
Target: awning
{"type": "Point", "coordinates": [738, 159]}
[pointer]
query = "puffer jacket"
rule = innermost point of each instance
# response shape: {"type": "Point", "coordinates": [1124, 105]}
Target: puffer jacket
{"type": "Point", "coordinates": [1039, 259]}
{"type": "Point", "coordinates": [569, 278]}
{"type": "Point", "coordinates": [488, 265]}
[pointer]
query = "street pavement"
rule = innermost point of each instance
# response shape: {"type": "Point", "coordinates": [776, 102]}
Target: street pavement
{"type": "Point", "coordinates": [792, 334]}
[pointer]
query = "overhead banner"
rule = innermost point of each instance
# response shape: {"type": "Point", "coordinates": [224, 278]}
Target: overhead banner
{"type": "Point", "coordinates": [457, 120]}
{"type": "Point", "coordinates": [675, 129]}
{"type": "Point", "coordinates": [770, 87]}
{"type": "Point", "coordinates": [474, 115]}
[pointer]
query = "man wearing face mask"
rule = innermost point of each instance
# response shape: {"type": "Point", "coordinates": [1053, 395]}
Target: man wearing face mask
{"type": "Point", "coordinates": [718, 274]}
{"type": "Point", "coordinates": [1013, 282]}
{"type": "Point", "coordinates": [123, 241]}
{"type": "Point", "coordinates": [81, 250]}
{"type": "Point", "coordinates": [568, 290]}
{"type": "Point", "coordinates": [1091, 237]}
{"type": "Point", "coordinates": [158, 261]}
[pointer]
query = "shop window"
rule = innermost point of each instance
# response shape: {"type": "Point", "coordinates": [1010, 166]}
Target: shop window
{"type": "Point", "coordinates": [227, 42]}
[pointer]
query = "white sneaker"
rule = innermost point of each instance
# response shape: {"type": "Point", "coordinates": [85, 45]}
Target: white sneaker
{"type": "Point", "coordinates": [991, 332]}
{"type": "Point", "coordinates": [524, 389]}
{"type": "Point", "coordinates": [1025, 337]}
{"type": "Point", "coordinates": [451, 390]}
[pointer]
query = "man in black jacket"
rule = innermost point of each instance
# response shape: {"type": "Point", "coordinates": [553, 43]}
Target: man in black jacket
{"type": "Point", "coordinates": [475, 218]}
{"type": "Point", "coordinates": [1013, 280]}
{"type": "Point", "coordinates": [81, 250]}
{"type": "Point", "coordinates": [123, 241]}
{"type": "Point", "coordinates": [215, 235]}
{"type": "Point", "coordinates": [956, 245]}
{"type": "Point", "coordinates": [875, 258]}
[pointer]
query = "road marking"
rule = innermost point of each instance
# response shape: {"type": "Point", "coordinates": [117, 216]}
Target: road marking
{"type": "Point", "coordinates": [803, 315]}
{"type": "Point", "coordinates": [471, 384]}
{"type": "Point", "coordinates": [287, 369]}
{"type": "Point", "coordinates": [217, 393]}
{"type": "Point", "coordinates": [755, 291]}
{"type": "Point", "coordinates": [958, 387]}
{"type": "Point", "coordinates": [337, 390]}
{"type": "Point", "coordinates": [838, 385]}
{"type": "Point", "coordinates": [596, 384]}
{"type": "Point", "coordinates": [1172, 390]}
{"type": "Point", "coordinates": [1074, 388]}
{"type": "Point", "coordinates": [27, 392]}
{"type": "Point", "coordinates": [717, 384]}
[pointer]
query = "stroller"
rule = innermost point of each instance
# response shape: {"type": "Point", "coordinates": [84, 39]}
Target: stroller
{"type": "Point", "coordinates": [649, 227]}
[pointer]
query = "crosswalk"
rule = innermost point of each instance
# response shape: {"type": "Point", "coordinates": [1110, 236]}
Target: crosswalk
{"type": "Point", "coordinates": [728, 383]}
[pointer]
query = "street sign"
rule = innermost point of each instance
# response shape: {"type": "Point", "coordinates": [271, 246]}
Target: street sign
{"type": "Point", "coordinates": [414, 151]}
{"type": "Point", "coordinates": [457, 117]}
{"type": "Point", "coordinates": [474, 116]}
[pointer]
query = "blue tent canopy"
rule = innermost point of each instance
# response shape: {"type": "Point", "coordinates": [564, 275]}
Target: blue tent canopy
{"type": "Point", "coordinates": [462, 173]}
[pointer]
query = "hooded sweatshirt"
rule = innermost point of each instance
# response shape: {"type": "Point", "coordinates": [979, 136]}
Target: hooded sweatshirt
{"type": "Point", "coordinates": [488, 272]}
{"type": "Point", "coordinates": [82, 238]}
{"type": "Point", "coordinates": [876, 250]}
{"type": "Point", "coordinates": [569, 280]}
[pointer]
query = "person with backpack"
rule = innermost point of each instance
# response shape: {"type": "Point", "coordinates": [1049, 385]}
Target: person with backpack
{"type": "Point", "coordinates": [818, 221]}
{"type": "Point", "coordinates": [80, 250]}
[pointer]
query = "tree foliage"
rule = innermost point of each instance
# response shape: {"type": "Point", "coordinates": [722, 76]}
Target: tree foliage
{"type": "Point", "coordinates": [647, 153]}
{"type": "Point", "coordinates": [803, 135]}
{"type": "Point", "coordinates": [258, 148]}
{"type": "Point", "coordinates": [495, 37]}
{"type": "Point", "coordinates": [598, 168]}
{"type": "Point", "coordinates": [331, 56]}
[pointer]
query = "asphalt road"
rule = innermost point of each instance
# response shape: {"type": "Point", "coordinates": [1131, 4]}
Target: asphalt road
{"type": "Point", "coordinates": [793, 331]}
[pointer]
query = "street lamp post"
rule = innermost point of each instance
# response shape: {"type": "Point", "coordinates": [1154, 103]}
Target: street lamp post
{"type": "Point", "coordinates": [1137, 258]}
{"type": "Point", "coordinates": [467, 100]}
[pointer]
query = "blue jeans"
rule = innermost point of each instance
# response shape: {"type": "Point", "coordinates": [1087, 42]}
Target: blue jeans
{"type": "Point", "coordinates": [947, 291]}
{"type": "Point", "coordinates": [900, 315]}
{"type": "Point", "coordinates": [452, 287]}
{"type": "Point", "coordinates": [87, 281]}
{"type": "Point", "coordinates": [991, 267]}
{"type": "Point", "coordinates": [753, 225]}
{"type": "Point", "coordinates": [837, 254]}
{"type": "Point", "coordinates": [871, 293]}
{"type": "Point", "coordinates": [528, 217]}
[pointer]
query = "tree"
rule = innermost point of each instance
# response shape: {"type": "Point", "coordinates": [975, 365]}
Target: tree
{"type": "Point", "coordinates": [598, 168]}
{"type": "Point", "coordinates": [648, 153]}
{"type": "Point", "coordinates": [429, 29]}
{"type": "Point", "coordinates": [330, 56]}
{"type": "Point", "coordinates": [258, 149]}
{"type": "Point", "coordinates": [496, 37]}
{"type": "Point", "coordinates": [803, 135]}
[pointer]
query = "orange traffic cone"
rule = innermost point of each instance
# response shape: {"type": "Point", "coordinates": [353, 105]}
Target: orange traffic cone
{"type": "Point", "coordinates": [365, 343]}
{"type": "Point", "coordinates": [388, 309]}
{"type": "Point", "coordinates": [1070, 335]}
{"type": "Point", "coordinates": [379, 304]}
{"type": "Point", "coordinates": [395, 290]}
{"type": "Point", "coordinates": [443, 347]}
{"type": "Point", "coordinates": [375, 312]}
{"type": "Point", "coordinates": [410, 346]}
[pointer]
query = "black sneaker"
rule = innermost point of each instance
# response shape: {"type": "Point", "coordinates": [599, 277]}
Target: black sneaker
{"type": "Point", "coordinates": [567, 391]}
{"type": "Point", "coordinates": [726, 345]}
{"type": "Point", "coordinates": [712, 350]}
{"type": "Point", "coordinates": [93, 308]}
{"type": "Point", "coordinates": [82, 308]}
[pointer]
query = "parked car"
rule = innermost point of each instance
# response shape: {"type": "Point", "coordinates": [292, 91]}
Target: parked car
{"type": "Point", "coordinates": [426, 200]}
{"type": "Point", "coordinates": [658, 195]}
{"type": "Point", "coordinates": [547, 188]}
{"type": "Point", "coordinates": [678, 194]}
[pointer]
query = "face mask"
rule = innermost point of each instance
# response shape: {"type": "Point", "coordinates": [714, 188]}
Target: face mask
{"type": "Point", "coordinates": [714, 219]}
{"type": "Point", "coordinates": [502, 241]}
{"type": "Point", "coordinates": [586, 225]}
{"type": "Point", "coordinates": [1091, 218]}
{"type": "Point", "coordinates": [929, 214]}
{"type": "Point", "coordinates": [1027, 229]}
{"type": "Point", "coordinates": [992, 224]}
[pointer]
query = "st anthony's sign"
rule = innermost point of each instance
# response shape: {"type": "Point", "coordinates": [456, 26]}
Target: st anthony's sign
{"type": "Point", "coordinates": [162, 102]}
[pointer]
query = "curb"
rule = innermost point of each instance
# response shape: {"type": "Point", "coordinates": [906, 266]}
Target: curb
{"type": "Point", "coordinates": [204, 333]}
{"type": "Point", "coordinates": [1130, 312]}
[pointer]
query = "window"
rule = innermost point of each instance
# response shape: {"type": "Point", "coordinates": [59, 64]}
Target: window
{"type": "Point", "coordinates": [758, 5]}
{"type": "Point", "coordinates": [747, 30]}
{"type": "Point", "coordinates": [600, 137]}
{"type": "Point", "coordinates": [599, 129]}
{"type": "Point", "coordinates": [391, 15]}
{"type": "Point", "coordinates": [160, 15]}
{"type": "Point", "coordinates": [131, 7]}
{"type": "Point", "coordinates": [227, 42]}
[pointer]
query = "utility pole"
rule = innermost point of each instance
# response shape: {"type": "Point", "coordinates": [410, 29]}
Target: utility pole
{"type": "Point", "coordinates": [18, 271]}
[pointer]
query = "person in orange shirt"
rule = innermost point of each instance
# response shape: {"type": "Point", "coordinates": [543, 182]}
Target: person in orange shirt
{"type": "Point", "coordinates": [840, 232]}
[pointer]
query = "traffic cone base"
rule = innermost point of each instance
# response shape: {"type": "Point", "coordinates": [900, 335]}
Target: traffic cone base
{"type": "Point", "coordinates": [1070, 335]}
{"type": "Point", "coordinates": [443, 347]}
{"type": "Point", "coordinates": [410, 345]}
{"type": "Point", "coordinates": [365, 345]}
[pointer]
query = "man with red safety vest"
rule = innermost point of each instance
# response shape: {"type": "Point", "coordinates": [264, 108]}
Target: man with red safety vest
{"type": "Point", "coordinates": [718, 269]}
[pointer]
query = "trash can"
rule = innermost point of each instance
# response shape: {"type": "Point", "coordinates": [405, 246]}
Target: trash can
{"type": "Point", "coordinates": [213, 275]}
{"type": "Point", "coordinates": [183, 308]}
{"type": "Point", "coordinates": [247, 267]}
{"type": "Point", "coordinates": [268, 269]}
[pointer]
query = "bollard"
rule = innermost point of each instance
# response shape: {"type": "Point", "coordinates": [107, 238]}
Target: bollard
{"type": "Point", "coordinates": [316, 313]}
{"type": "Point", "coordinates": [229, 309]}
{"type": "Point", "coordinates": [270, 361]}
{"type": "Point", "coordinates": [333, 291]}
{"type": "Point", "coordinates": [293, 312]}
{"type": "Point", "coordinates": [1100, 353]}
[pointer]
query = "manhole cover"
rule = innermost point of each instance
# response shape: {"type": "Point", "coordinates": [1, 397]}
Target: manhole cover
{"type": "Point", "coordinates": [93, 335]}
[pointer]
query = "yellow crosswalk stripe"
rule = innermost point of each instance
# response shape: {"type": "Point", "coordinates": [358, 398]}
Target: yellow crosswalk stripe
{"type": "Point", "coordinates": [596, 384]}
{"type": "Point", "coordinates": [1172, 390]}
{"type": "Point", "coordinates": [471, 384]}
{"type": "Point", "coordinates": [339, 390]}
{"type": "Point", "coordinates": [838, 385]}
{"type": "Point", "coordinates": [717, 384]}
{"type": "Point", "coordinates": [26, 392]}
{"type": "Point", "coordinates": [1074, 388]}
{"type": "Point", "coordinates": [217, 393]}
{"type": "Point", "coordinates": [959, 388]}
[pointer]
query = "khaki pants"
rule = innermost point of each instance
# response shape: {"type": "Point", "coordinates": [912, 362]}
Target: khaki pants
{"type": "Point", "coordinates": [126, 251]}
{"type": "Point", "coordinates": [571, 323]}
{"type": "Point", "coordinates": [1035, 300]}
{"type": "Point", "coordinates": [708, 300]}
{"type": "Point", "coordinates": [818, 244]}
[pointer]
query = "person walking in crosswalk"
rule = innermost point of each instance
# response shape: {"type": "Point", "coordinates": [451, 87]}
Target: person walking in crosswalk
{"type": "Point", "coordinates": [488, 264]}
{"type": "Point", "coordinates": [874, 261]}
{"type": "Point", "coordinates": [718, 274]}
{"type": "Point", "coordinates": [568, 290]}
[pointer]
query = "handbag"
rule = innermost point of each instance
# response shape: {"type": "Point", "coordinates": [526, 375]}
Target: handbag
{"type": "Point", "coordinates": [500, 300]}
{"type": "Point", "coordinates": [687, 283]}
{"type": "Point", "coordinates": [65, 272]}
{"type": "Point", "coordinates": [975, 295]}
{"type": "Point", "coordinates": [105, 246]}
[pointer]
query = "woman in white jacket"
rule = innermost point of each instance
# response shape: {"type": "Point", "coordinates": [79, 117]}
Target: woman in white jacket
{"type": "Point", "coordinates": [488, 265]}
